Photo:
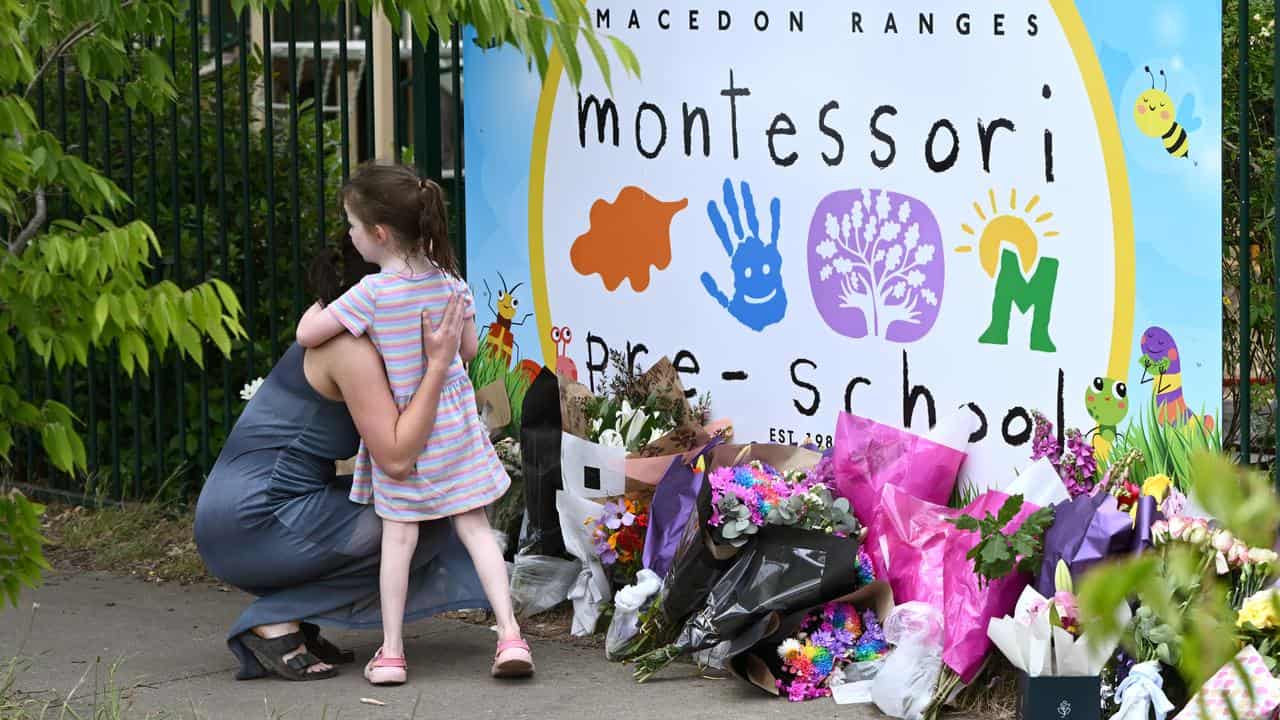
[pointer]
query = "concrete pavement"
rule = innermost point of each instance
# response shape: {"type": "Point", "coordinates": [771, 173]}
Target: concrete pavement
{"type": "Point", "coordinates": [173, 660]}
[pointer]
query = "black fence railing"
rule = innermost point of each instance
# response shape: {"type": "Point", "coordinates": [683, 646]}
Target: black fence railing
{"type": "Point", "coordinates": [239, 179]}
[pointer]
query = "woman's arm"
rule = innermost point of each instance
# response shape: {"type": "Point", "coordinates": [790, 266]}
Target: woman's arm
{"type": "Point", "coordinates": [395, 439]}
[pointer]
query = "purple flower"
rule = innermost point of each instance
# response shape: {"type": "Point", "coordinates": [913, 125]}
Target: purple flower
{"type": "Point", "coordinates": [616, 516]}
{"type": "Point", "coordinates": [608, 555]}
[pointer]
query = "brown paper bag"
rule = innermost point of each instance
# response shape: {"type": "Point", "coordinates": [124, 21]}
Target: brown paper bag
{"type": "Point", "coordinates": [494, 405]}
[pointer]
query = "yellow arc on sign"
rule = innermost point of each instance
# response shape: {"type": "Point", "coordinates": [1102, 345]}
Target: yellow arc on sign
{"type": "Point", "coordinates": [1095, 83]}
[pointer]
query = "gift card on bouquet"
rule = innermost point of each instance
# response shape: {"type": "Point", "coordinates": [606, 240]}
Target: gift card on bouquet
{"type": "Point", "coordinates": [590, 469]}
{"type": "Point", "coordinates": [1227, 690]}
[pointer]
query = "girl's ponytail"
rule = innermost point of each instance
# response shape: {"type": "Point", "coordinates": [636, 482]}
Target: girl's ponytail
{"type": "Point", "coordinates": [433, 227]}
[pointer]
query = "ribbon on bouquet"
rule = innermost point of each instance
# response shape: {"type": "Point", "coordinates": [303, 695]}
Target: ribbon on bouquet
{"type": "Point", "coordinates": [1141, 693]}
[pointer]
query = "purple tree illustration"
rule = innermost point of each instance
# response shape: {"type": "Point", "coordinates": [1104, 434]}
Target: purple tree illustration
{"type": "Point", "coordinates": [875, 264]}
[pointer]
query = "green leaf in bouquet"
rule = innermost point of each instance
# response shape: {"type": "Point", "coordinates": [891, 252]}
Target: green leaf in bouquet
{"type": "Point", "coordinates": [966, 522]}
{"type": "Point", "coordinates": [729, 530]}
{"type": "Point", "coordinates": [840, 505]}
{"type": "Point", "coordinates": [1009, 510]}
{"type": "Point", "coordinates": [993, 554]}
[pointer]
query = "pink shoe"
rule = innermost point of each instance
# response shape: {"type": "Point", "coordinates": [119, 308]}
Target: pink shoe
{"type": "Point", "coordinates": [386, 670]}
{"type": "Point", "coordinates": [512, 659]}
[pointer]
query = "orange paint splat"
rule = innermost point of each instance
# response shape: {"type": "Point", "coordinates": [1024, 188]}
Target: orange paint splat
{"type": "Point", "coordinates": [625, 238]}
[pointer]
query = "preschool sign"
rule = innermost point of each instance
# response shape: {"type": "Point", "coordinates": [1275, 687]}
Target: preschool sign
{"type": "Point", "coordinates": [899, 209]}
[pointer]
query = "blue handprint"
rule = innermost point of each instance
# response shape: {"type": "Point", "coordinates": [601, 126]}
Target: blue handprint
{"type": "Point", "coordinates": [759, 300]}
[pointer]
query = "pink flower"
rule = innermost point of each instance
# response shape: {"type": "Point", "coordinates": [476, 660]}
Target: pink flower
{"type": "Point", "coordinates": [1178, 527]}
{"type": "Point", "coordinates": [1222, 540]}
{"type": "Point", "coordinates": [1160, 532]}
{"type": "Point", "coordinates": [1238, 554]}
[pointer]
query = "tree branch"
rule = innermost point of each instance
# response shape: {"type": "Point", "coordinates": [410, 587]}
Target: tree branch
{"type": "Point", "coordinates": [67, 43]}
{"type": "Point", "coordinates": [37, 221]}
{"type": "Point", "coordinates": [20, 243]}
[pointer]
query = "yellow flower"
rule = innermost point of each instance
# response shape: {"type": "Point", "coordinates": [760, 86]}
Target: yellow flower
{"type": "Point", "coordinates": [1259, 611]}
{"type": "Point", "coordinates": [1157, 486]}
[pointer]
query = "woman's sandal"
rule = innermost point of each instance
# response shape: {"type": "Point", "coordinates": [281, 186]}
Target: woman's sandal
{"type": "Point", "coordinates": [325, 650]}
{"type": "Point", "coordinates": [271, 652]}
{"type": "Point", "coordinates": [382, 670]}
{"type": "Point", "coordinates": [512, 659]}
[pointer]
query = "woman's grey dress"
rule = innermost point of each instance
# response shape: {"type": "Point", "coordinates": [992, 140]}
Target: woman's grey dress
{"type": "Point", "coordinates": [274, 520]}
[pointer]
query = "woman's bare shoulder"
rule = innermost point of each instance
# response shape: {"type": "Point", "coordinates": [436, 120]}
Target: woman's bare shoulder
{"type": "Point", "coordinates": [344, 360]}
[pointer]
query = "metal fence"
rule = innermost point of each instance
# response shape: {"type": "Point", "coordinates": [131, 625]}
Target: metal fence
{"type": "Point", "coordinates": [239, 180]}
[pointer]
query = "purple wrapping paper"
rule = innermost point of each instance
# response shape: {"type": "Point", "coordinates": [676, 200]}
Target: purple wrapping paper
{"type": "Point", "coordinates": [673, 500]}
{"type": "Point", "coordinates": [1088, 529]}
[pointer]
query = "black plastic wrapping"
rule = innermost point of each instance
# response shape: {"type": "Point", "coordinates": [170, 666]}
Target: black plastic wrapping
{"type": "Point", "coordinates": [540, 429]}
{"type": "Point", "coordinates": [697, 565]}
{"type": "Point", "coordinates": [783, 571]}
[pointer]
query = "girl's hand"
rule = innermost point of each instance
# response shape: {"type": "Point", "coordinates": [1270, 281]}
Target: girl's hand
{"type": "Point", "coordinates": [440, 344]}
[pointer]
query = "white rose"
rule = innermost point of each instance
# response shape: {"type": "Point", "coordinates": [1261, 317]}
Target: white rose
{"type": "Point", "coordinates": [1222, 540]}
{"type": "Point", "coordinates": [1178, 527]}
{"type": "Point", "coordinates": [1261, 556]}
{"type": "Point", "coordinates": [1197, 535]}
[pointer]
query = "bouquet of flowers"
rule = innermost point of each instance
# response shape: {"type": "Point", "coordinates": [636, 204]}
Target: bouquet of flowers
{"type": "Point", "coordinates": [1258, 624]}
{"type": "Point", "coordinates": [617, 423]}
{"type": "Point", "coordinates": [619, 534]}
{"type": "Point", "coordinates": [1119, 480]}
{"type": "Point", "coordinates": [637, 408]}
{"type": "Point", "coordinates": [1075, 463]}
{"type": "Point", "coordinates": [1247, 569]}
{"type": "Point", "coordinates": [745, 498]}
{"type": "Point", "coordinates": [828, 640]}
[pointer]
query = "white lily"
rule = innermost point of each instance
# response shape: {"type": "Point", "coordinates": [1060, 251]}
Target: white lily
{"type": "Point", "coordinates": [596, 425]}
{"type": "Point", "coordinates": [631, 430]}
{"type": "Point", "coordinates": [612, 438]}
{"type": "Point", "coordinates": [656, 435]}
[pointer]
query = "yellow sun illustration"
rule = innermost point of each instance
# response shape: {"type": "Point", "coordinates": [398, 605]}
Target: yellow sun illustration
{"type": "Point", "coordinates": [1015, 227]}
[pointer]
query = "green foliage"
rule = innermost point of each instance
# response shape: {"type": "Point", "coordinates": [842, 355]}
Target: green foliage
{"type": "Point", "coordinates": [998, 555]}
{"type": "Point", "coordinates": [1166, 448]}
{"type": "Point", "coordinates": [1259, 260]}
{"type": "Point", "coordinates": [524, 25]}
{"type": "Point", "coordinates": [21, 557]}
{"type": "Point", "coordinates": [81, 281]}
{"type": "Point", "coordinates": [1184, 596]}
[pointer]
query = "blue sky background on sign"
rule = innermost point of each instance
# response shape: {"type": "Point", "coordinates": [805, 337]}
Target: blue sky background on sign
{"type": "Point", "coordinates": [1173, 249]}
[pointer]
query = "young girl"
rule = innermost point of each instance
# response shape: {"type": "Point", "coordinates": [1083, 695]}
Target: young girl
{"type": "Point", "coordinates": [398, 223]}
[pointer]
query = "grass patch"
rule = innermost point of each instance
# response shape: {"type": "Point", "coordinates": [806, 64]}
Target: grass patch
{"type": "Point", "coordinates": [1166, 447]}
{"type": "Point", "coordinates": [145, 540]}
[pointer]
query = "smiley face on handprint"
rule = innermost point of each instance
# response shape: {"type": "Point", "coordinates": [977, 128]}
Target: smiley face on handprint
{"type": "Point", "coordinates": [759, 299]}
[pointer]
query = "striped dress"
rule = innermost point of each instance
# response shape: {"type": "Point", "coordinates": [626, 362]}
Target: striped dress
{"type": "Point", "coordinates": [458, 469]}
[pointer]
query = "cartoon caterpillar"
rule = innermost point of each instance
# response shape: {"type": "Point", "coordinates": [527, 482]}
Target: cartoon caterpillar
{"type": "Point", "coordinates": [1157, 117]}
{"type": "Point", "coordinates": [1160, 358]}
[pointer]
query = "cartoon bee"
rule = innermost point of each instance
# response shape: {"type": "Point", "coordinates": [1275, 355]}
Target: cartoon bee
{"type": "Point", "coordinates": [499, 339]}
{"type": "Point", "coordinates": [1157, 117]}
